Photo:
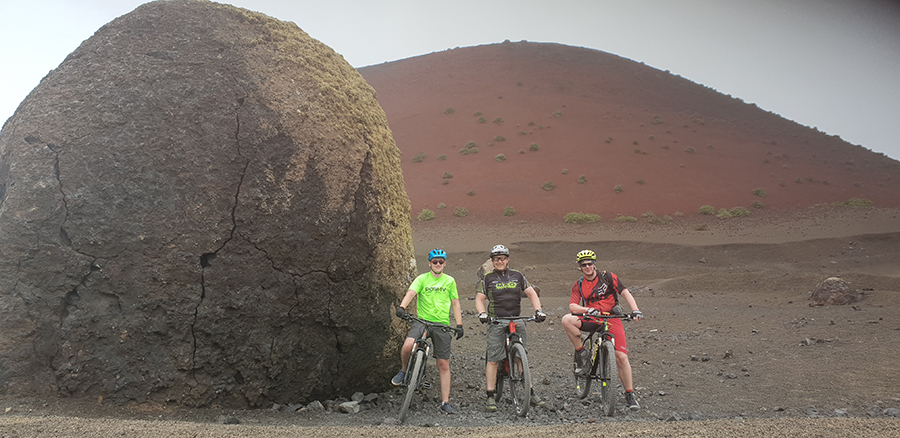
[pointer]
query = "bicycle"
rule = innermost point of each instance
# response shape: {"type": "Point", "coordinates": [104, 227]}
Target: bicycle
{"type": "Point", "coordinates": [514, 367]}
{"type": "Point", "coordinates": [602, 347]}
{"type": "Point", "coordinates": [415, 370]}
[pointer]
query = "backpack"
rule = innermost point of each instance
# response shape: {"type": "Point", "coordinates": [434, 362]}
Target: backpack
{"type": "Point", "coordinates": [603, 288]}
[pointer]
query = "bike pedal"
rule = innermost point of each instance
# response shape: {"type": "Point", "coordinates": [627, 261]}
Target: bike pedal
{"type": "Point", "coordinates": [426, 385]}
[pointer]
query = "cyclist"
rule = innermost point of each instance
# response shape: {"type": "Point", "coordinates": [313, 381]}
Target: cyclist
{"type": "Point", "coordinates": [595, 293]}
{"type": "Point", "coordinates": [502, 289]}
{"type": "Point", "coordinates": [437, 294]}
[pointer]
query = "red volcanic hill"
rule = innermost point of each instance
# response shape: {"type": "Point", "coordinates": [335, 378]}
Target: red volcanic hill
{"type": "Point", "coordinates": [542, 113]}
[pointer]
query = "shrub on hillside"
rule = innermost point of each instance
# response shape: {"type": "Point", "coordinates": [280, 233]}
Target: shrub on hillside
{"type": "Point", "coordinates": [442, 157]}
{"type": "Point", "coordinates": [449, 110]}
{"type": "Point", "coordinates": [739, 212]}
{"type": "Point", "coordinates": [565, 171]}
{"type": "Point", "coordinates": [460, 212]}
{"type": "Point", "coordinates": [548, 186]}
{"type": "Point", "coordinates": [534, 147]}
{"type": "Point", "coordinates": [441, 206]}
{"type": "Point", "coordinates": [500, 157]}
{"type": "Point", "coordinates": [426, 215]}
{"type": "Point", "coordinates": [499, 137]}
{"type": "Point", "coordinates": [759, 192]}
{"type": "Point", "coordinates": [498, 120]}
{"type": "Point", "coordinates": [623, 219]}
{"type": "Point", "coordinates": [582, 179]}
{"type": "Point", "coordinates": [618, 188]}
{"type": "Point", "coordinates": [482, 120]}
{"type": "Point", "coordinates": [689, 150]}
{"type": "Point", "coordinates": [447, 175]}
{"type": "Point", "coordinates": [469, 148]}
{"type": "Point", "coordinates": [723, 214]}
{"type": "Point", "coordinates": [419, 157]}
{"type": "Point", "coordinates": [707, 209]}
{"type": "Point", "coordinates": [757, 204]}
{"type": "Point", "coordinates": [471, 193]}
{"type": "Point", "coordinates": [509, 211]}
{"type": "Point", "coordinates": [581, 218]}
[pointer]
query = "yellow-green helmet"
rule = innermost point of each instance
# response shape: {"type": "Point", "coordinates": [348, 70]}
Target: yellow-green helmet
{"type": "Point", "coordinates": [586, 255]}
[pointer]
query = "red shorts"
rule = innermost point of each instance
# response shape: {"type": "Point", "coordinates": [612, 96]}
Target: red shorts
{"type": "Point", "coordinates": [616, 328]}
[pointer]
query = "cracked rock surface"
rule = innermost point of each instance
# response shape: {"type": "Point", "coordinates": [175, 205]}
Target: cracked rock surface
{"type": "Point", "coordinates": [200, 205]}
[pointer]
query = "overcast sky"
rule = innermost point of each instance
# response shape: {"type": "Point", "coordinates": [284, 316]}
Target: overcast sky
{"type": "Point", "coordinates": [830, 64]}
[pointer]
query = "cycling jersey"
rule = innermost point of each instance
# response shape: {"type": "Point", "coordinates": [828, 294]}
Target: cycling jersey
{"type": "Point", "coordinates": [434, 296]}
{"type": "Point", "coordinates": [504, 292]}
{"type": "Point", "coordinates": [596, 294]}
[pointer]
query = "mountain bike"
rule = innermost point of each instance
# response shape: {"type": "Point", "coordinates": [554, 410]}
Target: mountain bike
{"type": "Point", "coordinates": [602, 347]}
{"type": "Point", "coordinates": [415, 370]}
{"type": "Point", "coordinates": [514, 367]}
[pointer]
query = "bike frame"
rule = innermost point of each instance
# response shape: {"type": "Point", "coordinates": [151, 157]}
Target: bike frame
{"type": "Point", "coordinates": [503, 367]}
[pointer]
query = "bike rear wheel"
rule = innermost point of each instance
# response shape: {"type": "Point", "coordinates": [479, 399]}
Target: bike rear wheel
{"type": "Point", "coordinates": [608, 376]}
{"type": "Point", "coordinates": [414, 378]}
{"type": "Point", "coordinates": [583, 382]}
{"type": "Point", "coordinates": [519, 379]}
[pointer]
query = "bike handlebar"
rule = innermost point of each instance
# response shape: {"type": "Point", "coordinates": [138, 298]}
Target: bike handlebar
{"type": "Point", "coordinates": [625, 316]}
{"type": "Point", "coordinates": [430, 324]}
{"type": "Point", "coordinates": [499, 319]}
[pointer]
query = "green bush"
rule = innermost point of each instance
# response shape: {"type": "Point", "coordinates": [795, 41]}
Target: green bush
{"type": "Point", "coordinates": [426, 215]}
{"type": "Point", "coordinates": [854, 202]}
{"type": "Point", "coordinates": [499, 138]}
{"type": "Point", "coordinates": [648, 214]}
{"type": "Point", "coordinates": [701, 227]}
{"type": "Point", "coordinates": [759, 192]}
{"type": "Point", "coordinates": [449, 110]}
{"type": "Point", "coordinates": [549, 186]}
{"type": "Point", "coordinates": [623, 219]}
{"type": "Point", "coordinates": [471, 193]}
{"type": "Point", "coordinates": [477, 113]}
{"type": "Point", "coordinates": [509, 211]}
{"type": "Point", "coordinates": [498, 120]}
{"type": "Point", "coordinates": [460, 212]}
{"type": "Point", "coordinates": [581, 218]}
{"type": "Point", "coordinates": [656, 120]}
{"type": "Point", "coordinates": [689, 150]}
{"type": "Point", "coordinates": [441, 206]}
{"type": "Point", "coordinates": [657, 220]}
{"type": "Point", "coordinates": [582, 179]}
{"type": "Point", "coordinates": [618, 188]}
{"type": "Point", "coordinates": [534, 147]}
{"type": "Point", "coordinates": [420, 157]}
{"type": "Point", "coordinates": [608, 140]}
{"type": "Point", "coordinates": [641, 181]}
{"type": "Point", "coordinates": [469, 148]}
{"type": "Point", "coordinates": [521, 151]}
{"type": "Point", "coordinates": [500, 157]}
{"type": "Point", "coordinates": [707, 209]}
{"type": "Point", "coordinates": [442, 157]}
{"type": "Point", "coordinates": [447, 175]}
{"type": "Point", "coordinates": [482, 120]}
{"type": "Point", "coordinates": [558, 113]}
{"type": "Point", "coordinates": [565, 171]}
{"type": "Point", "coordinates": [723, 214]}
{"type": "Point", "coordinates": [739, 212]}
{"type": "Point", "coordinates": [446, 181]}
{"type": "Point", "coordinates": [757, 204]}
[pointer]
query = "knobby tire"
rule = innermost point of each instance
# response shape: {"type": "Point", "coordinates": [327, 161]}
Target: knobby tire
{"type": "Point", "coordinates": [583, 383]}
{"type": "Point", "coordinates": [414, 380]}
{"type": "Point", "coordinates": [519, 379]}
{"type": "Point", "coordinates": [608, 376]}
{"type": "Point", "coordinates": [501, 376]}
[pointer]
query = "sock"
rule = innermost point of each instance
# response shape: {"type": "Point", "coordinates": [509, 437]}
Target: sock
{"type": "Point", "coordinates": [628, 390]}
{"type": "Point", "coordinates": [490, 394]}
{"type": "Point", "coordinates": [579, 348]}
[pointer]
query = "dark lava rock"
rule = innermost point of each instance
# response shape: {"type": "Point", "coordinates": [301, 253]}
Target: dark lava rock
{"type": "Point", "coordinates": [200, 205]}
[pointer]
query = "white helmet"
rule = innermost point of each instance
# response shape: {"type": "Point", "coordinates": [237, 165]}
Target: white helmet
{"type": "Point", "coordinates": [499, 250]}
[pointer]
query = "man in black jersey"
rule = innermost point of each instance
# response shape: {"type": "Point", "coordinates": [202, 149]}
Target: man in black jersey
{"type": "Point", "coordinates": [500, 294]}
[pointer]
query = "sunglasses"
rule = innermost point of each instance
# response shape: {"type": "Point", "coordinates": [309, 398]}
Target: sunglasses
{"type": "Point", "coordinates": [437, 262]}
{"type": "Point", "coordinates": [500, 258]}
{"type": "Point", "coordinates": [586, 264]}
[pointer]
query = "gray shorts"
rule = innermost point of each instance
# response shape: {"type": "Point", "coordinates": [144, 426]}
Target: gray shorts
{"type": "Point", "coordinates": [440, 339]}
{"type": "Point", "coordinates": [496, 340]}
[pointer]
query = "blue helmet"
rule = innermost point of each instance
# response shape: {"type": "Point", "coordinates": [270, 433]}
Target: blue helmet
{"type": "Point", "coordinates": [439, 253]}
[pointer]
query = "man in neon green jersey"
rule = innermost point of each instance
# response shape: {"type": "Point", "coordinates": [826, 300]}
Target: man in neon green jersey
{"type": "Point", "coordinates": [436, 293]}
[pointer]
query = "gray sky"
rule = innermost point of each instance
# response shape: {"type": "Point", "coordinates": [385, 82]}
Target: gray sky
{"type": "Point", "coordinates": [830, 64]}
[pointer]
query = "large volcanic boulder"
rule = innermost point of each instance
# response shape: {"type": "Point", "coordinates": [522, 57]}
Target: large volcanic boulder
{"type": "Point", "coordinates": [833, 291]}
{"type": "Point", "coordinates": [200, 204]}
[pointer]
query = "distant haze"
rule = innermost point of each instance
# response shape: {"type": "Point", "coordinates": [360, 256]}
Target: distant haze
{"type": "Point", "coordinates": [822, 63]}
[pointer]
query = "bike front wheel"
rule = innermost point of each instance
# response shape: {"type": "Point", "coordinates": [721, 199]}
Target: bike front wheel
{"type": "Point", "coordinates": [501, 376]}
{"type": "Point", "coordinates": [583, 381]}
{"type": "Point", "coordinates": [519, 379]}
{"type": "Point", "coordinates": [608, 374]}
{"type": "Point", "coordinates": [414, 378]}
